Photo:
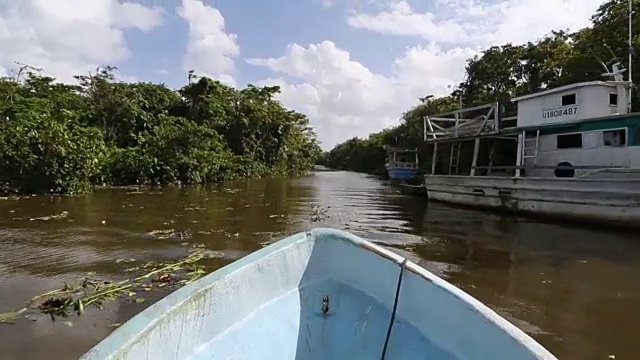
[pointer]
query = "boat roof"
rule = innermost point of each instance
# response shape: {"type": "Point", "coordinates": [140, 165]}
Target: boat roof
{"type": "Point", "coordinates": [563, 88]}
{"type": "Point", "coordinates": [401, 149]}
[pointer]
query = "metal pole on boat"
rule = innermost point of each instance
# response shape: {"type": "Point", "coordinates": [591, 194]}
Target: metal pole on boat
{"type": "Point", "coordinates": [434, 158]}
{"type": "Point", "coordinates": [630, 55]}
{"type": "Point", "coordinates": [424, 128]}
{"type": "Point", "coordinates": [474, 160]}
{"type": "Point", "coordinates": [520, 153]}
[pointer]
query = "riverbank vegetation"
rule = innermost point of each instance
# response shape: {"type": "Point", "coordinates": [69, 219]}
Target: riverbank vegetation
{"type": "Point", "coordinates": [504, 72]}
{"type": "Point", "coordinates": [94, 292]}
{"type": "Point", "coordinates": [61, 138]}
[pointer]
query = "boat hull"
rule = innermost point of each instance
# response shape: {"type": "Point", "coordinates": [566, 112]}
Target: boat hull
{"type": "Point", "coordinates": [410, 189]}
{"type": "Point", "coordinates": [615, 202]}
{"type": "Point", "coordinates": [314, 296]}
{"type": "Point", "coordinates": [402, 173]}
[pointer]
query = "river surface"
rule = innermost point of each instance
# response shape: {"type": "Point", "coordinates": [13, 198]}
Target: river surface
{"type": "Point", "coordinates": [576, 291]}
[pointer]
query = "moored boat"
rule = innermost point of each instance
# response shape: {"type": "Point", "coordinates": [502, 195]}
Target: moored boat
{"type": "Point", "coordinates": [413, 189]}
{"type": "Point", "coordinates": [322, 294]}
{"type": "Point", "coordinates": [573, 153]}
{"type": "Point", "coordinates": [402, 164]}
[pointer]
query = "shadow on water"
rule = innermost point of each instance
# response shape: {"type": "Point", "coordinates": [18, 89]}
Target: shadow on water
{"type": "Point", "coordinates": [573, 289]}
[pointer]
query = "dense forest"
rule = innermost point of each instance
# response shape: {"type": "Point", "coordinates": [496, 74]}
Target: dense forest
{"type": "Point", "coordinates": [503, 72]}
{"type": "Point", "coordinates": [60, 138]}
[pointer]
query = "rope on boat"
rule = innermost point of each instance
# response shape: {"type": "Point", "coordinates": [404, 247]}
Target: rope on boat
{"type": "Point", "coordinates": [395, 307]}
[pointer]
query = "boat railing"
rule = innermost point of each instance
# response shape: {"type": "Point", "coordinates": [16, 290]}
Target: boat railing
{"type": "Point", "coordinates": [620, 171]}
{"type": "Point", "coordinates": [468, 122]}
{"type": "Point", "coordinates": [402, 165]}
{"type": "Point", "coordinates": [392, 149]}
{"type": "Point", "coordinates": [595, 168]}
{"type": "Point", "coordinates": [611, 170]}
{"type": "Point", "coordinates": [509, 123]}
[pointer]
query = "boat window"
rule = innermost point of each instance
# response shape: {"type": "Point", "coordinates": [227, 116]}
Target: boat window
{"type": "Point", "coordinates": [636, 136]}
{"type": "Point", "coordinates": [613, 99]}
{"type": "Point", "coordinates": [569, 141]}
{"type": "Point", "coordinates": [614, 137]}
{"type": "Point", "coordinates": [569, 99]}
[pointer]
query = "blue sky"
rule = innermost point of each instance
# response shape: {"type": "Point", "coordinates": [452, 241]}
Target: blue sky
{"type": "Point", "coordinates": [264, 29]}
{"type": "Point", "coordinates": [352, 66]}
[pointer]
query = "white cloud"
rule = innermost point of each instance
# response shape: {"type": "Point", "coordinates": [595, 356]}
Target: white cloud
{"type": "Point", "coordinates": [344, 98]}
{"type": "Point", "coordinates": [68, 37]}
{"type": "Point", "coordinates": [526, 20]}
{"type": "Point", "coordinates": [210, 49]}
{"type": "Point", "coordinates": [400, 20]}
{"type": "Point", "coordinates": [328, 3]}
{"type": "Point", "coordinates": [341, 95]}
{"type": "Point", "coordinates": [487, 22]}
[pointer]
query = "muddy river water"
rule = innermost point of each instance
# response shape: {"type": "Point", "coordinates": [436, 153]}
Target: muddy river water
{"type": "Point", "coordinates": [575, 290]}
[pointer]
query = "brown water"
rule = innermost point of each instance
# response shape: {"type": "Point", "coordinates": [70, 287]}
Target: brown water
{"type": "Point", "coordinates": [576, 291]}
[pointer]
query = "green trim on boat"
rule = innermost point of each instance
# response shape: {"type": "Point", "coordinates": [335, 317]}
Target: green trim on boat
{"type": "Point", "coordinates": [631, 122]}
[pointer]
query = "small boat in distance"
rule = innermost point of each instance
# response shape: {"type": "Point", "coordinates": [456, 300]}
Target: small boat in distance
{"type": "Point", "coordinates": [322, 294]}
{"type": "Point", "coordinates": [402, 164]}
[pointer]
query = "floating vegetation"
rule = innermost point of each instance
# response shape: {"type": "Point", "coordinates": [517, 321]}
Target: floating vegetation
{"type": "Point", "coordinates": [62, 215]}
{"type": "Point", "coordinates": [269, 233]}
{"type": "Point", "coordinates": [231, 191]}
{"type": "Point", "coordinates": [318, 212]}
{"type": "Point", "coordinates": [161, 234]}
{"type": "Point", "coordinates": [195, 208]}
{"type": "Point", "coordinates": [169, 234]}
{"type": "Point", "coordinates": [94, 292]}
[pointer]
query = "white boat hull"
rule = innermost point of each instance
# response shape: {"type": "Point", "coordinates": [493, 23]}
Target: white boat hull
{"type": "Point", "coordinates": [601, 200]}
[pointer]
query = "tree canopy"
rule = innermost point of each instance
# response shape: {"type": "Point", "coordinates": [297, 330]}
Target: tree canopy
{"type": "Point", "coordinates": [501, 73]}
{"type": "Point", "coordinates": [60, 138]}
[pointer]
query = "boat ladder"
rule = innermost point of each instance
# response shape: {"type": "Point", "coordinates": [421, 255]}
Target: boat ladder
{"type": "Point", "coordinates": [530, 145]}
{"type": "Point", "coordinates": [454, 160]}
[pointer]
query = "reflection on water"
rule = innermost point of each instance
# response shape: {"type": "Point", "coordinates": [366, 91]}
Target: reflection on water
{"type": "Point", "coordinates": [573, 290]}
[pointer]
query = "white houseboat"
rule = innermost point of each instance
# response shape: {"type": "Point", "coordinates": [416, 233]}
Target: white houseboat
{"type": "Point", "coordinates": [573, 152]}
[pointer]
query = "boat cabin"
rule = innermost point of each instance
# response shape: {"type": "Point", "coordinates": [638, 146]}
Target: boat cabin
{"type": "Point", "coordinates": [578, 130]}
{"type": "Point", "coordinates": [574, 102]}
{"type": "Point", "coordinates": [402, 164]}
{"type": "Point", "coordinates": [402, 157]}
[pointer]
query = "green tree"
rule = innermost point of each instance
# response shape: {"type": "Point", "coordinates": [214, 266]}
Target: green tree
{"type": "Point", "coordinates": [64, 138]}
{"type": "Point", "coordinates": [501, 73]}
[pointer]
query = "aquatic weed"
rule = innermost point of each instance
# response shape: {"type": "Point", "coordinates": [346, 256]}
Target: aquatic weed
{"type": "Point", "coordinates": [94, 292]}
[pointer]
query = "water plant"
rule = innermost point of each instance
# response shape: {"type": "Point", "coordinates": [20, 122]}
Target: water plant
{"type": "Point", "coordinates": [92, 291]}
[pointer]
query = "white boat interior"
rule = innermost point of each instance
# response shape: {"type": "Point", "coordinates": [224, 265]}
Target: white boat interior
{"type": "Point", "coordinates": [323, 294]}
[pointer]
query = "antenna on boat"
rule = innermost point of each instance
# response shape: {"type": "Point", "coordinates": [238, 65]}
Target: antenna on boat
{"type": "Point", "coordinates": [630, 54]}
{"type": "Point", "coordinates": [604, 65]}
{"type": "Point", "coordinates": [613, 55]}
